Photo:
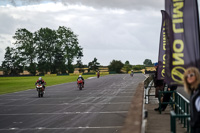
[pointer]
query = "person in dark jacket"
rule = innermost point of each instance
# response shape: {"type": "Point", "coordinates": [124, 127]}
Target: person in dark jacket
{"type": "Point", "coordinates": [159, 84]}
{"type": "Point", "coordinates": [166, 97]}
{"type": "Point", "coordinates": [192, 86]}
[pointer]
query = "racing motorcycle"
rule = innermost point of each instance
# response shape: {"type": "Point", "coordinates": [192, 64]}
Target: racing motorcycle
{"type": "Point", "coordinates": [40, 89]}
{"type": "Point", "coordinates": [80, 84]}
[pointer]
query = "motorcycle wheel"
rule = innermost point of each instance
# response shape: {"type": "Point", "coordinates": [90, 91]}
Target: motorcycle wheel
{"type": "Point", "coordinates": [80, 87]}
{"type": "Point", "coordinates": [38, 93]}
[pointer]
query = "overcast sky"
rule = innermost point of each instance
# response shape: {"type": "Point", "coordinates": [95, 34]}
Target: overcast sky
{"type": "Point", "coordinates": [107, 29]}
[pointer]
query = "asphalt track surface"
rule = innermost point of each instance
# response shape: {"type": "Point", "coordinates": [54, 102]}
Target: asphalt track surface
{"type": "Point", "coordinates": [101, 107]}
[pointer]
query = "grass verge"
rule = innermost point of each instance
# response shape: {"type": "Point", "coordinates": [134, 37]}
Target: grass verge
{"type": "Point", "coordinates": [14, 84]}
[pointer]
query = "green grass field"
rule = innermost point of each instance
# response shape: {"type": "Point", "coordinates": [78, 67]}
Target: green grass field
{"type": "Point", "coordinates": [14, 84]}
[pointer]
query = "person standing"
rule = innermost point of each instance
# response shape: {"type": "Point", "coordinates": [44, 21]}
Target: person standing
{"type": "Point", "coordinates": [166, 97]}
{"type": "Point", "coordinates": [192, 86]}
{"type": "Point", "coordinates": [159, 84]}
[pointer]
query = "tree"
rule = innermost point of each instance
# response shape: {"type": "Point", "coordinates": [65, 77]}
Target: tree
{"type": "Point", "coordinates": [55, 50]}
{"type": "Point", "coordinates": [68, 41]}
{"type": "Point", "coordinates": [127, 66]}
{"type": "Point", "coordinates": [79, 63]}
{"type": "Point", "coordinates": [59, 62]}
{"type": "Point", "coordinates": [32, 68]}
{"type": "Point", "coordinates": [12, 64]}
{"type": "Point", "coordinates": [26, 48]}
{"type": "Point", "coordinates": [94, 65]}
{"type": "Point", "coordinates": [115, 66]}
{"type": "Point", "coordinates": [7, 63]}
{"type": "Point", "coordinates": [138, 67]}
{"type": "Point", "coordinates": [147, 62]}
{"type": "Point", "coordinates": [46, 40]}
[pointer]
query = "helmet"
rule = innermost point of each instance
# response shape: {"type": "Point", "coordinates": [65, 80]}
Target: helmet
{"type": "Point", "coordinates": [40, 78]}
{"type": "Point", "coordinates": [80, 76]}
{"type": "Point", "coordinates": [156, 64]}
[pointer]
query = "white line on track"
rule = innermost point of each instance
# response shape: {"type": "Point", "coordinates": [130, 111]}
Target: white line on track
{"type": "Point", "coordinates": [120, 103]}
{"type": "Point", "coordinates": [124, 77]}
{"type": "Point", "coordinates": [91, 77]}
{"type": "Point", "coordinates": [66, 128]}
{"type": "Point", "coordinates": [13, 99]}
{"type": "Point", "coordinates": [66, 113]}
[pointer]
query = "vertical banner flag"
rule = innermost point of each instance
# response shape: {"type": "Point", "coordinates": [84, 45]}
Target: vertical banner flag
{"type": "Point", "coordinates": [184, 49]}
{"type": "Point", "coordinates": [162, 49]}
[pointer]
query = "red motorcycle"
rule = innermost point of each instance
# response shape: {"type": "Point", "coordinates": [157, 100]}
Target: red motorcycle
{"type": "Point", "coordinates": [80, 84]}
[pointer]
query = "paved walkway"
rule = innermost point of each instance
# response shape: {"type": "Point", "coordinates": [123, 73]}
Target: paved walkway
{"type": "Point", "coordinates": [159, 123]}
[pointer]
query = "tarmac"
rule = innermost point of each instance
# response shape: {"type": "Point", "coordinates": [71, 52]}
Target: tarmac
{"type": "Point", "coordinates": [156, 122]}
{"type": "Point", "coordinates": [111, 104]}
{"type": "Point", "coordinates": [101, 107]}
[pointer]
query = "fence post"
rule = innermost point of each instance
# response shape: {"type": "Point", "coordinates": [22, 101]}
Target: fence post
{"type": "Point", "coordinates": [184, 110]}
{"type": "Point", "coordinates": [159, 99]}
{"type": "Point", "coordinates": [173, 122]}
{"type": "Point", "coordinates": [188, 125]}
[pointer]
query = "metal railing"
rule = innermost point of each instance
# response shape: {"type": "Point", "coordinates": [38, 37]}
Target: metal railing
{"type": "Point", "coordinates": [171, 102]}
{"type": "Point", "coordinates": [181, 110]}
{"type": "Point", "coordinates": [147, 90]}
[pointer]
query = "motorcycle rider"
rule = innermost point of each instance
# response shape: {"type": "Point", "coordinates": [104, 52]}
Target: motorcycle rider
{"type": "Point", "coordinates": [132, 73]}
{"type": "Point", "coordinates": [40, 81]}
{"type": "Point", "coordinates": [98, 74]}
{"type": "Point", "coordinates": [80, 77]}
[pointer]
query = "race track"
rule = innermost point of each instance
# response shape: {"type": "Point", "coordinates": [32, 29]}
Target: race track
{"type": "Point", "coordinates": [101, 107]}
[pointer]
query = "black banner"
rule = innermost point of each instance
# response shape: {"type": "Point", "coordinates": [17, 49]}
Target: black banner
{"type": "Point", "coordinates": [162, 49]}
{"type": "Point", "coordinates": [183, 38]}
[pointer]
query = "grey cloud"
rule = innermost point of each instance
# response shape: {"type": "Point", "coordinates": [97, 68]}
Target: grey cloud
{"type": "Point", "coordinates": [7, 23]}
{"type": "Point", "coordinates": [123, 4]}
{"type": "Point", "coordinates": [24, 2]}
{"type": "Point", "coordinates": [1, 50]}
{"type": "Point", "coordinates": [103, 33]}
{"type": "Point", "coordinates": [4, 42]}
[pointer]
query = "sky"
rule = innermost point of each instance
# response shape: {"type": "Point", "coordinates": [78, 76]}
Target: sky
{"type": "Point", "coordinates": [107, 29]}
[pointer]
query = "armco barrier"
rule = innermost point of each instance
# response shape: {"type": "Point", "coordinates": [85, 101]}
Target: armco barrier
{"type": "Point", "coordinates": [64, 74]}
{"type": "Point", "coordinates": [148, 84]}
{"type": "Point", "coordinates": [50, 75]}
{"type": "Point", "coordinates": [112, 72]}
{"type": "Point", "coordinates": [147, 90]}
{"type": "Point", "coordinates": [75, 74]}
{"type": "Point", "coordinates": [88, 73]}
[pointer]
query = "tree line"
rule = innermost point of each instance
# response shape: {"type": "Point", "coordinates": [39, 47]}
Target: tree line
{"type": "Point", "coordinates": [54, 51]}
{"type": "Point", "coordinates": [115, 66]}
{"type": "Point", "coordinates": [45, 50]}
